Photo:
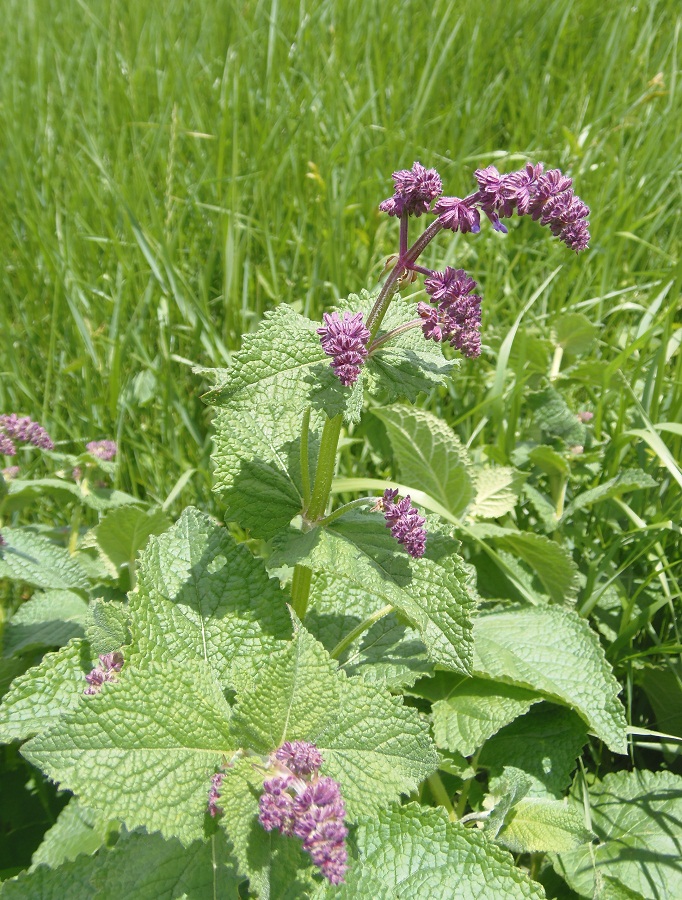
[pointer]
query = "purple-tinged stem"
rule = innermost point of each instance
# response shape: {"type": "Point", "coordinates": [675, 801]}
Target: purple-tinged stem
{"type": "Point", "coordinates": [406, 326]}
{"type": "Point", "coordinates": [404, 221]}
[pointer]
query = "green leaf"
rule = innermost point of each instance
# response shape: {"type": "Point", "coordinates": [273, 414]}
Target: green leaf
{"type": "Point", "coordinates": [202, 595]}
{"type": "Point", "coordinates": [663, 688]}
{"type": "Point", "coordinates": [554, 417]}
{"type": "Point", "coordinates": [430, 456]}
{"type": "Point", "coordinates": [497, 491]}
{"type": "Point", "coordinates": [575, 333]}
{"type": "Point", "coordinates": [38, 698]}
{"type": "Point", "coordinates": [546, 513]}
{"type": "Point", "coordinates": [407, 365]}
{"type": "Point", "coordinates": [626, 481]}
{"type": "Point", "coordinates": [108, 629]}
{"type": "Point", "coordinates": [390, 654]}
{"type": "Point", "coordinates": [33, 559]}
{"type": "Point", "coordinates": [284, 355]}
{"type": "Point", "coordinates": [637, 817]}
{"type": "Point", "coordinates": [505, 792]}
{"type": "Point", "coordinates": [413, 851]}
{"type": "Point", "coordinates": [144, 749]}
{"type": "Point", "coordinates": [468, 711]}
{"type": "Point", "coordinates": [429, 591]}
{"type": "Point", "coordinates": [48, 619]}
{"type": "Point", "coordinates": [544, 742]}
{"type": "Point", "coordinates": [23, 493]}
{"type": "Point", "coordinates": [77, 830]}
{"type": "Point", "coordinates": [537, 825]}
{"type": "Point", "coordinates": [139, 867]}
{"type": "Point", "coordinates": [552, 650]}
{"type": "Point", "coordinates": [552, 564]}
{"type": "Point", "coordinates": [257, 461]}
{"type": "Point", "coordinates": [376, 750]}
{"type": "Point", "coordinates": [549, 460]}
{"type": "Point", "coordinates": [123, 532]}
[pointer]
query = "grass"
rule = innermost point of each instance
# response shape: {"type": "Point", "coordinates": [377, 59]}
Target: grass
{"type": "Point", "coordinates": [169, 173]}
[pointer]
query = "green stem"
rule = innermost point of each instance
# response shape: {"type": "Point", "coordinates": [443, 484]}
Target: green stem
{"type": "Point", "coordinates": [305, 461]}
{"type": "Point", "coordinates": [466, 787]}
{"type": "Point", "coordinates": [360, 629]}
{"type": "Point", "coordinates": [326, 463]}
{"type": "Point", "coordinates": [300, 590]}
{"type": "Point", "coordinates": [361, 501]}
{"type": "Point", "coordinates": [435, 782]}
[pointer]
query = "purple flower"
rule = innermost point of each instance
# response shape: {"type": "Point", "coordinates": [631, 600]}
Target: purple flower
{"type": "Point", "coordinates": [585, 416]}
{"type": "Point", "coordinates": [26, 430]}
{"type": "Point", "coordinates": [300, 803]}
{"type": "Point", "coordinates": [406, 525]}
{"type": "Point", "coordinates": [546, 196]}
{"type": "Point", "coordinates": [3, 542]}
{"type": "Point", "coordinates": [457, 215]}
{"type": "Point", "coordinates": [7, 447]}
{"type": "Point", "coordinates": [105, 450]}
{"type": "Point", "coordinates": [109, 665]}
{"type": "Point", "coordinates": [345, 341]}
{"type": "Point", "coordinates": [214, 795]}
{"type": "Point", "coordinates": [414, 190]}
{"type": "Point", "coordinates": [449, 285]}
{"type": "Point", "coordinates": [457, 318]}
{"type": "Point", "coordinates": [299, 756]}
{"type": "Point", "coordinates": [10, 472]}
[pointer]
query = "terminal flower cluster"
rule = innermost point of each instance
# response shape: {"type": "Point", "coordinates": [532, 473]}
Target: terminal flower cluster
{"type": "Point", "coordinates": [457, 316]}
{"type": "Point", "coordinates": [406, 525]}
{"type": "Point", "coordinates": [300, 803]}
{"type": "Point", "coordinates": [109, 665]}
{"type": "Point", "coordinates": [23, 430]}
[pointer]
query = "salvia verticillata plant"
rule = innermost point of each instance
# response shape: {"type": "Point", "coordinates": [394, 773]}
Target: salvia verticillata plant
{"type": "Point", "coordinates": [314, 702]}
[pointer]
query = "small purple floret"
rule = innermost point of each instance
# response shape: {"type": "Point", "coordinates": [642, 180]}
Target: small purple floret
{"type": "Point", "coordinates": [299, 756]}
{"type": "Point", "coordinates": [104, 450]}
{"type": "Point", "coordinates": [406, 525]}
{"type": "Point", "coordinates": [109, 665]}
{"type": "Point", "coordinates": [457, 215]}
{"type": "Point", "coordinates": [25, 430]}
{"type": "Point", "coordinates": [300, 803]}
{"type": "Point", "coordinates": [414, 190]}
{"type": "Point", "coordinates": [3, 542]}
{"type": "Point", "coordinates": [345, 340]}
{"type": "Point", "coordinates": [10, 472]}
{"type": "Point", "coordinates": [7, 447]}
{"type": "Point", "coordinates": [214, 795]}
{"type": "Point", "coordinates": [457, 317]}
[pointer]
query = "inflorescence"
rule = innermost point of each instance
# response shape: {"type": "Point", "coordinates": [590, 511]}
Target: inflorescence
{"type": "Point", "coordinates": [24, 430]}
{"type": "Point", "coordinates": [455, 315]}
{"type": "Point", "coordinates": [406, 525]}
{"type": "Point", "coordinates": [300, 803]}
{"type": "Point", "coordinates": [104, 450]}
{"type": "Point", "coordinates": [109, 665]}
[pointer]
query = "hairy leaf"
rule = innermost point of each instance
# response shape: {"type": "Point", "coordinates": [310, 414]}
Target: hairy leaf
{"type": "Point", "coordinates": [412, 851]}
{"type": "Point", "coordinates": [429, 591]}
{"type": "Point", "coordinates": [553, 416]}
{"type": "Point", "coordinates": [35, 560]}
{"type": "Point", "coordinates": [77, 830]}
{"type": "Point", "coordinates": [123, 532]}
{"type": "Point", "coordinates": [626, 481]}
{"type": "Point", "coordinates": [377, 750]}
{"type": "Point", "coordinates": [200, 594]}
{"type": "Point", "coordinates": [497, 491]}
{"type": "Point", "coordinates": [552, 650]}
{"type": "Point", "coordinates": [430, 456]}
{"type": "Point", "coordinates": [637, 817]}
{"type": "Point", "coordinates": [48, 619]}
{"type": "Point", "coordinates": [536, 825]}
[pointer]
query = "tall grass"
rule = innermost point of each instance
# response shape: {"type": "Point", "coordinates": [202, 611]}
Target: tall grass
{"type": "Point", "coordinates": [168, 172]}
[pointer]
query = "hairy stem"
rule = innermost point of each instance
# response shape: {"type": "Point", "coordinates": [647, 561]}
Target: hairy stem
{"type": "Point", "coordinates": [361, 501]}
{"type": "Point", "coordinates": [406, 326]}
{"type": "Point", "coordinates": [435, 782]}
{"type": "Point", "coordinates": [326, 463]}
{"type": "Point", "coordinates": [305, 461]}
{"type": "Point", "coordinates": [360, 629]}
{"type": "Point", "coordinates": [300, 590]}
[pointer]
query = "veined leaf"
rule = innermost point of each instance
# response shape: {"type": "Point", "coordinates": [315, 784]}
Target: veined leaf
{"type": "Point", "coordinates": [48, 619]}
{"type": "Point", "coordinates": [626, 481]}
{"type": "Point", "coordinates": [35, 560]}
{"type": "Point", "coordinates": [497, 491]}
{"type": "Point", "coordinates": [553, 416]}
{"type": "Point", "coordinates": [144, 749]}
{"type": "Point", "coordinates": [123, 532]}
{"type": "Point", "coordinates": [536, 825]}
{"type": "Point", "coordinates": [430, 456]}
{"type": "Point", "coordinates": [77, 830]}
{"type": "Point", "coordinates": [429, 591]}
{"type": "Point", "coordinates": [552, 650]}
{"type": "Point", "coordinates": [637, 817]}
{"type": "Point", "coordinates": [412, 851]}
{"type": "Point", "coordinates": [201, 595]}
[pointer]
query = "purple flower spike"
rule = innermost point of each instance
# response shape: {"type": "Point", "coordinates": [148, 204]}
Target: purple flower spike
{"type": "Point", "coordinates": [345, 341]}
{"type": "Point", "coordinates": [456, 215]}
{"type": "Point", "coordinates": [449, 285]}
{"type": "Point", "coordinates": [105, 450]}
{"type": "Point", "coordinates": [109, 665]}
{"type": "Point", "coordinates": [7, 447]}
{"type": "Point", "coordinates": [406, 525]}
{"type": "Point", "coordinates": [415, 188]}
{"type": "Point", "coordinates": [214, 795]}
{"type": "Point", "coordinates": [25, 430]}
{"type": "Point", "coordinates": [301, 757]}
{"type": "Point", "coordinates": [457, 318]}
{"type": "Point", "coordinates": [299, 803]}
{"type": "Point", "coordinates": [10, 472]}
